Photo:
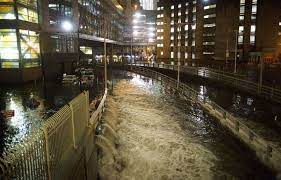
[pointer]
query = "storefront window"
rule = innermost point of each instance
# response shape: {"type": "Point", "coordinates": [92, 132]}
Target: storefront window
{"type": "Point", "coordinates": [9, 54]}
{"type": "Point", "coordinates": [7, 12]}
{"type": "Point", "coordinates": [8, 44]}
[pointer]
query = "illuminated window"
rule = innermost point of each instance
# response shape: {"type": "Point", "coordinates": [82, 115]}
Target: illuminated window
{"type": "Point", "coordinates": [8, 44]}
{"type": "Point", "coordinates": [193, 56]}
{"type": "Point", "coordinates": [208, 43]}
{"type": "Point", "coordinates": [242, 9]}
{"type": "Point", "coordinates": [9, 53]}
{"type": "Point", "coordinates": [30, 48]}
{"type": "Point", "coordinates": [210, 25]}
{"type": "Point", "coordinates": [241, 29]}
{"type": "Point", "coordinates": [253, 28]}
{"type": "Point", "coordinates": [194, 9]}
{"type": "Point", "coordinates": [210, 6]}
{"type": "Point", "coordinates": [241, 18]}
{"type": "Point", "coordinates": [7, 12]}
{"type": "Point", "coordinates": [86, 50]}
{"type": "Point", "coordinates": [26, 14]}
{"type": "Point", "coordinates": [193, 43]}
{"type": "Point", "coordinates": [254, 9]}
{"type": "Point", "coordinates": [253, 39]}
{"type": "Point", "coordinates": [209, 16]}
{"type": "Point", "coordinates": [240, 39]}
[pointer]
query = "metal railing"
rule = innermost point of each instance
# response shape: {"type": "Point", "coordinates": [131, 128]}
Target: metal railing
{"type": "Point", "coordinates": [62, 148]}
{"type": "Point", "coordinates": [227, 78]}
{"type": "Point", "coordinates": [265, 151]}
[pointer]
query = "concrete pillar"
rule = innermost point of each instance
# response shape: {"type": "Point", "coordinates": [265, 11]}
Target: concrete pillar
{"type": "Point", "coordinates": [111, 53]}
{"type": "Point", "coordinates": [75, 11]}
{"type": "Point", "coordinates": [43, 7]}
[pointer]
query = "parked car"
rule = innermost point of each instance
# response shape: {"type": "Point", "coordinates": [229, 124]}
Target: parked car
{"type": "Point", "coordinates": [69, 79]}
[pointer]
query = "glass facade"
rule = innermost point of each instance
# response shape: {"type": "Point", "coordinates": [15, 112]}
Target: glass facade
{"type": "Point", "coordinates": [19, 47]}
{"type": "Point", "coordinates": [30, 48]}
{"type": "Point", "coordinates": [9, 54]}
{"type": "Point", "coordinates": [97, 17]}
{"type": "Point", "coordinates": [7, 12]}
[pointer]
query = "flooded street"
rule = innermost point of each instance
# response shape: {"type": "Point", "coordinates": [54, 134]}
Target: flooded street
{"type": "Point", "coordinates": [51, 96]}
{"type": "Point", "coordinates": [261, 115]}
{"type": "Point", "coordinates": [161, 136]}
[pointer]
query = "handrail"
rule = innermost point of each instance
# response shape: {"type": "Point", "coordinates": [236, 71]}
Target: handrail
{"type": "Point", "coordinates": [95, 117]}
{"type": "Point", "coordinates": [252, 87]}
{"type": "Point", "coordinates": [55, 149]}
{"type": "Point", "coordinates": [265, 150]}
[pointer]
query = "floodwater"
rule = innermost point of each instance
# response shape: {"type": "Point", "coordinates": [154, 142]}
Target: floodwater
{"type": "Point", "coordinates": [161, 136]}
{"type": "Point", "coordinates": [51, 97]}
{"type": "Point", "coordinates": [261, 115]}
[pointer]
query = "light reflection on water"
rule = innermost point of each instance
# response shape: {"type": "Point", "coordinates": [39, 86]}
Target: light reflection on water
{"type": "Point", "coordinates": [51, 97]}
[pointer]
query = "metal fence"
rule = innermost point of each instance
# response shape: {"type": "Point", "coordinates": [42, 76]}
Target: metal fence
{"type": "Point", "coordinates": [63, 148]}
{"type": "Point", "coordinates": [227, 78]}
{"type": "Point", "coordinates": [265, 151]}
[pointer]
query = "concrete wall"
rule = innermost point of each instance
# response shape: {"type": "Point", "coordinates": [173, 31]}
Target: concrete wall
{"type": "Point", "coordinates": [12, 76]}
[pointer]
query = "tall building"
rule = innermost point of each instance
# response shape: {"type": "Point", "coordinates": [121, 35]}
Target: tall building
{"type": "Point", "coordinates": [147, 4]}
{"type": "Point", "coordinates": [48, 37]}
{"type": "Point", "coordinates": [144, 33]}
{"type": "Point", "coordinates": [211, 30]}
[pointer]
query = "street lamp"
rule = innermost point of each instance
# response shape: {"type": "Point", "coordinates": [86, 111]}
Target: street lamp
{"type": "Point", "coordinates": [67, 26]}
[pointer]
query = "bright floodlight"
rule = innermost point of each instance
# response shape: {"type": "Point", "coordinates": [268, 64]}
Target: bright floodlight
{"type": "Point", "coordinates": [67, 26]}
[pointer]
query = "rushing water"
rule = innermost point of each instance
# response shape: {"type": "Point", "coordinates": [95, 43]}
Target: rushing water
{"type": "Point", "coordinates": [263, 116]}
{"type": "Point", "coordinates": [162, 136]}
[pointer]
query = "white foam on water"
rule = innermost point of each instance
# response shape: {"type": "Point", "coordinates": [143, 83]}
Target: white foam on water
{"type": "Point", "coordinates": [152, 143]}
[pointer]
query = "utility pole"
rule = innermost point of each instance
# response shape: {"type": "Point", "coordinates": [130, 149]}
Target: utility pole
{"type": "Point", "coordinates": [227, 52]}
{"type": "Point", "coordinates": [236, 44]}
{"type": "Point", "coordinates": [105, 54]}
{"type": "Point", "coordinates": [179, 25]}
{"type": "Point", "coordinates": [261, 74]}
{"type": "Point", "coordinates": [178, 79]}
